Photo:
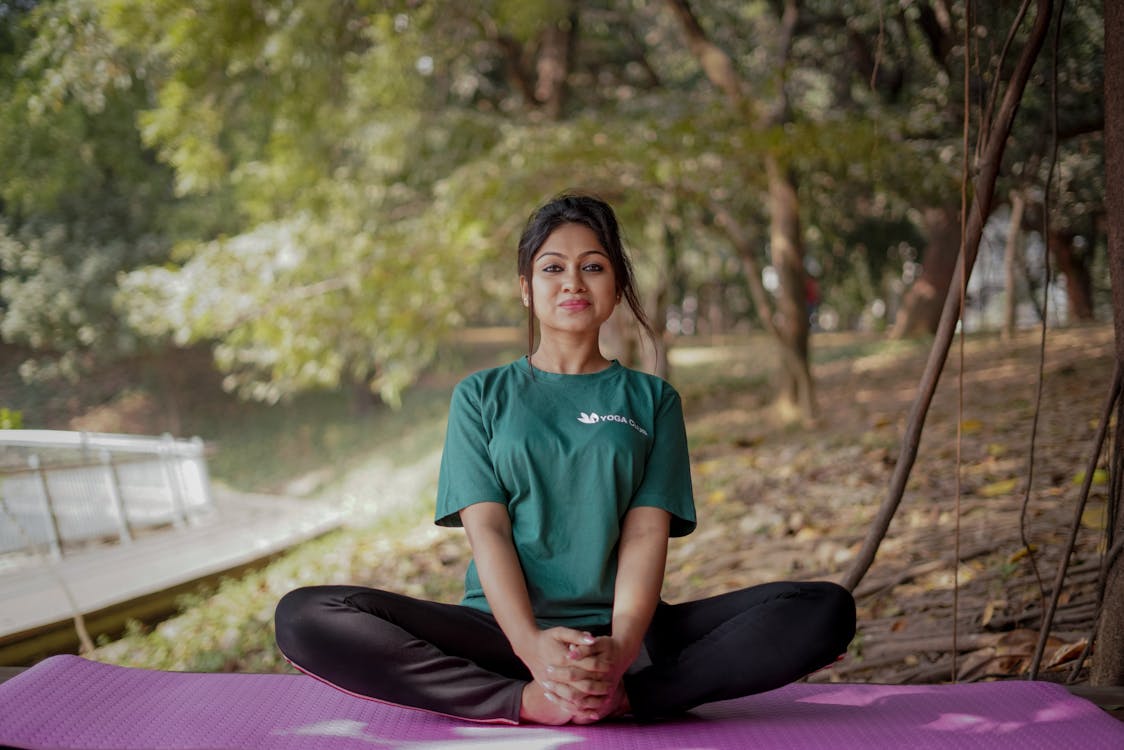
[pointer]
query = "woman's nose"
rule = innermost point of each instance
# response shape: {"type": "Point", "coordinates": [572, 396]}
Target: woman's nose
{"type": "Point", "coordinates": [572, 282]}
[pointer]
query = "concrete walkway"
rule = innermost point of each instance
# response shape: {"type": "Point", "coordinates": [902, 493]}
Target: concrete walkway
{"type": "Point", "coordinates": [242, 529]}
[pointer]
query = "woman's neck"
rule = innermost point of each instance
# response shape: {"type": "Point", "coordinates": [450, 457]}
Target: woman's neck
{"type": "Point", "coordinates": [569, 358]}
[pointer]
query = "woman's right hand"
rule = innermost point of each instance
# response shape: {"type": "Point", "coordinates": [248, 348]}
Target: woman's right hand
{"type": "Point", "coordinates": [574, 683]}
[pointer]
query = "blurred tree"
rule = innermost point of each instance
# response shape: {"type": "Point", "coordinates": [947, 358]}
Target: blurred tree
{"type": "Point", "coordinates": [377, 153]}
{"type": "Point", "coordinates": [327, 128]}
{"type": "Point", "coordinates": [1075, 225]}
{"type": "Point", "coordinates": [325, 191]}
{"type": "Point", "coordinates": [1079, 166]}
{"type": "Point", "coordinates": [788, 320]}
{"type": "Point", "coordinates": [80, 199]}
{"type": "Point", "coordinates": [997, 116]}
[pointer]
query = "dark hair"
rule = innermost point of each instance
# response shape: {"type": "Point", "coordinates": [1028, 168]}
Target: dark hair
{"type": "Point", "coordinates": [598, 216]}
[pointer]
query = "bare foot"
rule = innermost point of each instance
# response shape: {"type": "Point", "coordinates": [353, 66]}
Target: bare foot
{"type": "Point", "coordinates": [536, 708]}
{"type": "Point", "coordinates": [614, 705]}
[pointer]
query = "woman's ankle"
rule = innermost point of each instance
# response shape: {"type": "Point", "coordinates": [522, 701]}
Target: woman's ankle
{"type": "Point", "coordinates": [536, 708]}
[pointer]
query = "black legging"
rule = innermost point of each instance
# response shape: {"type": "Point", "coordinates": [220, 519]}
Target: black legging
{"type": "Point", "coordinates": [455, 660]}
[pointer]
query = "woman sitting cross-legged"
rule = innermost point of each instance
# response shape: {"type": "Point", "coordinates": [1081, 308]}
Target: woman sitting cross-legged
{"type": "Point", "coordinates": [568, 472]}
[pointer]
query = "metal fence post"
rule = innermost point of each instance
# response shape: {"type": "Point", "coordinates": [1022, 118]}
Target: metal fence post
{"type": "Point", "coordinates": [179, 516]}
{"type": "Point", "coordinates": [114, 489]}
{"type": "Point", "coordinates": [53, 542]}
{"type": "Point", "coordinates": [204, 472]}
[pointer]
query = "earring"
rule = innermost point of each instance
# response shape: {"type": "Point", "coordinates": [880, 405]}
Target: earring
{"type": "Point", "coordinates": [526, 301]}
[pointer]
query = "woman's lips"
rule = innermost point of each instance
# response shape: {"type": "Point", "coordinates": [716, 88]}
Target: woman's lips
{"type": "Point", "coordinates": [574, 304]}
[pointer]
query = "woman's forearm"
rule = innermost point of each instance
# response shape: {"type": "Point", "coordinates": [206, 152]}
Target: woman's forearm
{"type": "Point", "coordinates": [640, 570]}
{"type": "Point", "coordinates": [501, 576]}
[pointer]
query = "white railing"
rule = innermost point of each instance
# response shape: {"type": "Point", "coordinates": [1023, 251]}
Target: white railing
{"type": "Point", "coordinates": [59, 489]}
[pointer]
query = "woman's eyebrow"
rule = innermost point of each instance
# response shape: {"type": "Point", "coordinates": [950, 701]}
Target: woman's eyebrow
{"type": "Point", "coordinates": [581, 255]}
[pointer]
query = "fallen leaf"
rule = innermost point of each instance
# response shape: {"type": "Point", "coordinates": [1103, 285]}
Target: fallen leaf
{"type": "Point", "coordinates": [970, 426]}
{"type": "Point", "coordinates": [1065, 652]}
{"type": "Point", "coordinates": [993, 606]}
{"type": "Point", "coordinates": [1100, 477]}
{"type": "Point", "coordinates": [1094, 516]}
{"type": "Point", "coordinates": [1002, 487]}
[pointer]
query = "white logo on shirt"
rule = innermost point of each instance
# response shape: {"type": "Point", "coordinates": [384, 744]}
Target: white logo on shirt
{"type": "Point", "coordinates": [594, 418]}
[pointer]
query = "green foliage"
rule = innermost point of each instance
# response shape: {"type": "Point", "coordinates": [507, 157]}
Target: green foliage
{"type": "Point", "coordinates": [525, 20]}
{"type": "Point", "coordinates": [10, 419]}
{"type": "Point", "coordinates": [325, 192]}
{"type": "Point", "coordinates": [81, 200]}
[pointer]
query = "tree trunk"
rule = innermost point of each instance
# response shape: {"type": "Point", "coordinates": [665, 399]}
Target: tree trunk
{"type": "Point", "coordinates": [515, 67]}
{"type": "Point", "coordinates": [791, 326]}
{"type": "Point", "coordinates": [657, 360]}
{"type": "Point", "coordinates": [655, 356]}
{"type": "Point", "coordinates": [545, 90]}
{"type": "Point", "coordinates": [920, 311]}
{"type": "Point", "coordinates": [1011, 264]}
{"type": "Point", "coordinates": [1108, 662]}
{"type": "Point", "coordinates": [1074, 266]}
{"type": "Point", "coordinates": [794, 392]}
{"type": "Point", "coordinates": [553, 65]}
{"type": "Point", "coordinates": [716, 64]}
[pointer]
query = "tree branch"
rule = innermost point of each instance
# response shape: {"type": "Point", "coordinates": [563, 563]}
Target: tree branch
{"type": "Point", "coordinates": [738, 237]}
{"type": "Point", "coordinates": [779, 112]}
{"type": "Point", "coordinates": [935, 23]}
{"type": "Point", "coordinates": [938, 355]}
{"type": "Point", "coordinates": [517, 72]}
{"type": "Point", "coordinates": [717, 65]}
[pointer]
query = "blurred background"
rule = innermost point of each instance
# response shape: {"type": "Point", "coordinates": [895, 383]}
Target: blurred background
{"type": "Point", "coordinates": [323, 195]}
{"type": "Point", "coordinates": [288, 226]}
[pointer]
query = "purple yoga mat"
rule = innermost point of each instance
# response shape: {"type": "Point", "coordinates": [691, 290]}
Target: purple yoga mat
{"type": "Point", "coordinates": [70, 702]}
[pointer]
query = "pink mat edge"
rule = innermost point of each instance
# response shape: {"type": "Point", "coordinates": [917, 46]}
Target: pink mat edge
{"type": "Point", "coordinates": [798, 691]}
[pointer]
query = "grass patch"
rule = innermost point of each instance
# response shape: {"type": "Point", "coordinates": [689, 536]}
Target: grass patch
{"type": "Point", "coordinates": [833, 347]}
{"type": "Point", "coordinates": [229, 626]}
{"type": "Point", "coordinates": [262, 448]}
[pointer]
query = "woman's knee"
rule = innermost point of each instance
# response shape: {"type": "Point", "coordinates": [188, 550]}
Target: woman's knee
{"type": "Point", "coordinates": [839, 612]}
{"type": "Point", "coordinates": [289, 614]}
{"type": "Point", "coordinates": [296, 619]}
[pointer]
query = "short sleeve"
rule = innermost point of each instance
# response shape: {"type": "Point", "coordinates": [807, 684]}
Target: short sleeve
{"type": "Point", "coordinates": [667, 476]}
{"type": "Point", "coordinates": [467, 474]}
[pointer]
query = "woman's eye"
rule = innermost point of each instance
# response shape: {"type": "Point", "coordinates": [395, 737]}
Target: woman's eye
{"type": "Point", "coordinates": [593, 267]}
{"type": "Point", "coordinates": [552, 268]}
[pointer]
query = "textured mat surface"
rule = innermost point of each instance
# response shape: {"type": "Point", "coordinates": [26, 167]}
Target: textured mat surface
{"type": "Point", "coordinates": [70, 702]}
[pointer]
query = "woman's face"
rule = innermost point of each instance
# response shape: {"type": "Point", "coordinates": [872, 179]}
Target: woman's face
{"type": "Point", "coordinates": [574, 286]}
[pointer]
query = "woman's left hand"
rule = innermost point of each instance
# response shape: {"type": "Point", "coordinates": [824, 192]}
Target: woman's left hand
{"type": "Point", "coordinates": [605, 660]}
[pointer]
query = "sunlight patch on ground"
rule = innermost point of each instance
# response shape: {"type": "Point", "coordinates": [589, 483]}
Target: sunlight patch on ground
{"type": "Point", "coordinates": [880, 361]}
{"type": "Point", "coordinates": [692, 356]}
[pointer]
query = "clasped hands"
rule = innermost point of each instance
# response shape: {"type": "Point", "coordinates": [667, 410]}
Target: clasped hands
{"type": "Point", "coordinates": [580, 673]}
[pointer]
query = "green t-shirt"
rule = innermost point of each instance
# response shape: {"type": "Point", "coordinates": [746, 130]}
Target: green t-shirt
{"type": "Point", "coordinates": [568, 455]}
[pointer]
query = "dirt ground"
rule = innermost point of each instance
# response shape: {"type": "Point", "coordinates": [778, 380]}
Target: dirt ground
{"type": "Point", "coordinates": [778, 503]}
